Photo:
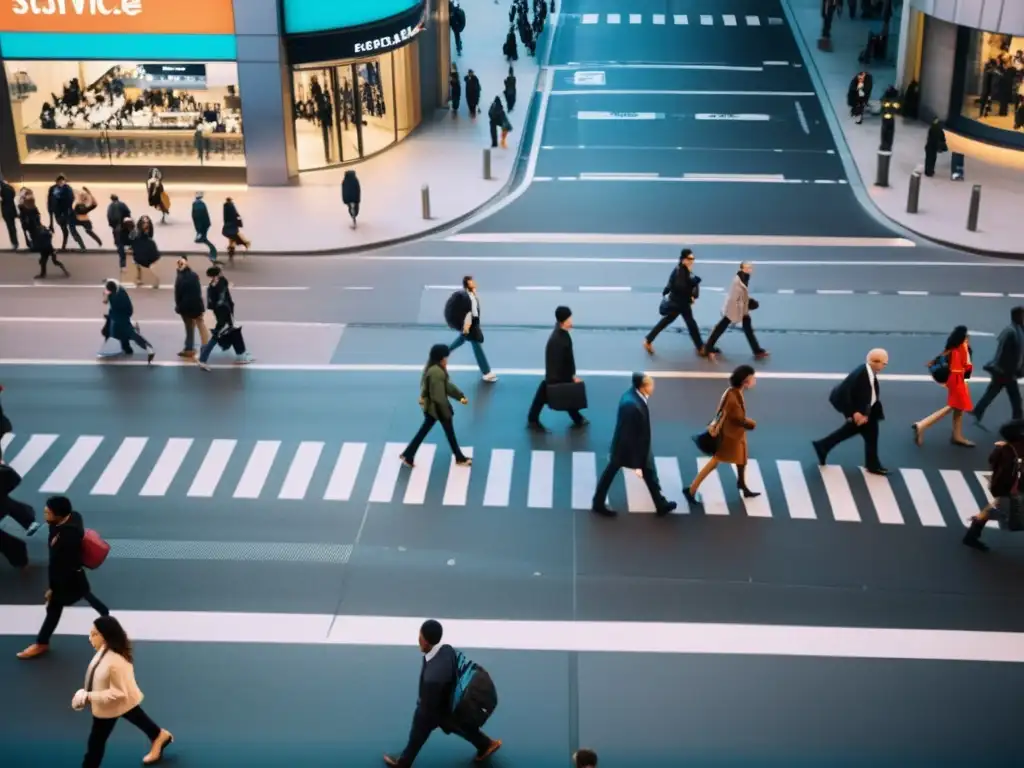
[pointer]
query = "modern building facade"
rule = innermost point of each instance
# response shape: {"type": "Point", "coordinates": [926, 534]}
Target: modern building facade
{"type": "Point", "coordinates": [968, 57]}
{"type": "Point", "coordinates": [244, 91]}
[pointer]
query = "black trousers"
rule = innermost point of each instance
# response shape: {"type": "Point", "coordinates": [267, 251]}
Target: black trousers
{"type": "Point", "coordinates": [68, 225]}
{"type": "Point", "coordinates": [87, 228]}
{"type": "Point", "coordinates": [102, 727]}
{"type": "Point", "coordinates": [44, 258]}
{"type": "Point", "coordinates": [869, 431]}
{"type": "Point", "coordinates": [930, 157]}
{"type": "Point", "coordinates": [667, 320]}
{"type": "Point", "coordinates": [12, 230]}
{"type": "Point", "coordinates": [420, 732]}
{"type": "Point", "coordinates": [428, 424]}
{"type": "Point", "coordinates": [650, 475]}
{"type": "Point", "coordinates": [540, 400]}
{"type": "Point", "coordinates": [55, 609]}
{"type": "Point", "coordinates": [995, 385]}
{"type": "Point", "coordinates": [748, 331]}
{"type": "Point", "coordinates": [13, 549]}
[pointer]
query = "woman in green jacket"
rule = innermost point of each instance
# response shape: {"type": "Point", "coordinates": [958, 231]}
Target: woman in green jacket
{"type": "Point", "coordinates": [435, 389]}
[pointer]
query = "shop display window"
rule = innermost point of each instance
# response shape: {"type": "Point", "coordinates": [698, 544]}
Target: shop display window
{"type": "Point", "coordinates": [349, 110]}
{"type": "Point", "coordinates": [994, 81]}
{"type": "Point", "coordinates": [126, 113]}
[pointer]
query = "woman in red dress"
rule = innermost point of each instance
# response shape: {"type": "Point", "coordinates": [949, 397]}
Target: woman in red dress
{"type": "Point", "coordinates": [958, 397]}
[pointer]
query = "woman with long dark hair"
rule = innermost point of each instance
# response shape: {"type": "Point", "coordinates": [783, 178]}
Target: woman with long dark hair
{"type": "Point", "coordinates": [958, 398]}
{"type": "Point", "coordinates": [435, 390]}
{"type": "Point", "coordinates": [111, 691]}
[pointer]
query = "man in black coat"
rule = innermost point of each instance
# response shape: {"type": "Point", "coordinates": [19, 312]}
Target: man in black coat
{"type": "Point", "coordinates": [60, 204]}
{"type": "Point", "coordinates": [559, 368]}
{"type": "Point", "coordinates": [9, 211]}
{"type": "Point", "coordinates": [68, 582]}
{"type": "Point", "coordinates": [188, 302]}
{"type": "Point", "coordinates": [12, 548]}
{"type": "Point", "coordinates": [631, 448]}
{"type": "Point", "coordinates": [117, 212]}
{"type": "Point", "coordinates": [1005, 368]}
{"type": "Point", "coordinates": [434, 704]}
{"type": "Point", "coordinates": [859, 399]}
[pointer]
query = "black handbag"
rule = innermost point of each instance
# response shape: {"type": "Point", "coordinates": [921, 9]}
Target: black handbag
{"type": "Point", "coordinates": [939, 369]}
{"type": "Point", "coordinates": [571, 396]}
{"type": "Point", "coordinates": [710, 440]}
{"type": "Point", "coordinates": [667, 307]}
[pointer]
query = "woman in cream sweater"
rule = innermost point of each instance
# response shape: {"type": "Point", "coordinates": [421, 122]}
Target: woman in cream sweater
{"type": "Point", "coordinates": [112, 692]}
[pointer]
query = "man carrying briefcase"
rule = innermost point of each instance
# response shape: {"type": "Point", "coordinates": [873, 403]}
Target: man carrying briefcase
{"type": "Point", "coordinates": [561, 389]}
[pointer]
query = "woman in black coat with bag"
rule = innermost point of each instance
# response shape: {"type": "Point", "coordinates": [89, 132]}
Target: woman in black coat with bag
{"type": "Point", "coordinates": [351, 194]}
{"type": "Point", "coordinates": [1007, 503]}
{"type": "Point", "coordinates": [679, 294]}
{"type": "Point", "coordinates": [232, 229]}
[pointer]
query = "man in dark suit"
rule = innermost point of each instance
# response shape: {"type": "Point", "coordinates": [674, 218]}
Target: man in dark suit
{"type": "Point", "coordinates": [434, 705]}
{"type": "Point", "coordinates": [559, 368]}
{"type": "Point", "coordinates": [858, 398]}
{"type": "Point", "coordinates": [631, 448]}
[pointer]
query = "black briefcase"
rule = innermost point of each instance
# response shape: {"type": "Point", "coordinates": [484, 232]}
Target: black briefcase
{"type": "Point", "coordinates": [567, 397]}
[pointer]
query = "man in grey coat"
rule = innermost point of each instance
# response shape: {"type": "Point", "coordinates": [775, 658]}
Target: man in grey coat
{"type": "Point", "coordinates": [737, 308]}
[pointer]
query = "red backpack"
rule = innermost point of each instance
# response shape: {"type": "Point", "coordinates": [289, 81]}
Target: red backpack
{"type": "Point", "coordinates": [94, 550]}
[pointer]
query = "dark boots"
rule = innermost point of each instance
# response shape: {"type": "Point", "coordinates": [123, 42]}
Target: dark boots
{"type": "Point", "coordinates": [973, 536]}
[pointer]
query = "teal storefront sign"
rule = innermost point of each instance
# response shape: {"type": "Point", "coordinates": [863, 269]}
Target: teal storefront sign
{"type": "Point", "coordinates": [102, 47]}
{"type": "Point", "coordinates": [304, 16]}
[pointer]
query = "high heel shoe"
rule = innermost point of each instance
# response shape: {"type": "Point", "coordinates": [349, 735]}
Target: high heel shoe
{"type": "Point", "coordinates": [747, 493]}
{"type": "Point", "coordinates": [918, 434]}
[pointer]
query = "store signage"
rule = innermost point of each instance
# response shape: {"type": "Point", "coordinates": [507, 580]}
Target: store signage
{"type": "Point", "coordinates": [359, 42]}
{"type": "Point", "coordinates": [304, 16]}
{"type": "Point", "coordinates": [387, 42]}
{"type": "Point", "coordinates": [190, 77]}
{"type": "Point", "coordinates": [196, 17]}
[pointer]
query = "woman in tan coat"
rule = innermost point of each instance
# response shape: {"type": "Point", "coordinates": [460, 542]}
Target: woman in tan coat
{"type": "Point", "coordinates": [732, 425]}
{"type": "Point", "coordinates": [112, 692]}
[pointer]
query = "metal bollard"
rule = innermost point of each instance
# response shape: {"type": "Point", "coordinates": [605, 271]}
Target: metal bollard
{"type": "Point", "coordinates": [882, 174]}
{"type": "Point", "coordinates": [914, 193]}
{"type": "Point", "coordinates": [425, 200]}
{"type": "Point", "coordinates": [487, 164]}
{"type": "Point", "coordinates": [974, 210]}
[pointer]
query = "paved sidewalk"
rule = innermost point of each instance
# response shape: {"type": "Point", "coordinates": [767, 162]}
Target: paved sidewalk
{"type": "Point", "coordinates": [444, 153]}
{"type": "Point", "coordinates": [943, 203]}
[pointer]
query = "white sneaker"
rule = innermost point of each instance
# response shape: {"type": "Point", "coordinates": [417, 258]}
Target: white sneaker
{"type": "Point", "coordinates": [202, 366]}
{"type": "Point", "coordinates": [490, 377]}
{"type": "Point", "coordinates": [244, 359]}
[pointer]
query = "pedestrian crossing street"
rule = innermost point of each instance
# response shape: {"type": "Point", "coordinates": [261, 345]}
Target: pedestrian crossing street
{"type": "Point", "coordinates": [678, 19]}
{"type": "Point", "coordinates": [247, 470]}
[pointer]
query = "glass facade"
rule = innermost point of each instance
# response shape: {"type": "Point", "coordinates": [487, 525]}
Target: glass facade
{"type": "Point", "coordinates": [348, 110]}
{"type": "Point", "coordinates": [994, 81]}
{"type": "Point", "coordinates": [126, 113]}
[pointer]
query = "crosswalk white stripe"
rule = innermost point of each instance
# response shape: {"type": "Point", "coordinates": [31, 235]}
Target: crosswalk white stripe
{"type": "Point", "coordinates": [167, 466]}
{"type": "Point", "coordinates": [419, 478]}
{"type": "Point", "coordinates": [707, 21]}
{"type": "Point", "coordinates": [205, 483]}
{"type": "Point", "coordinates": [584, 479]}
{"type": "Point", "coordinates": [794, 487]}
{"type": "Point", "coordinates": [753, 21]}
{"type": "Point", "coordinates": [384, 482]}
{"type": "Point", "coordinates": [961, 494]}
{"type": "Point", "coordinates": [119, 466]}
{"type": "Point", "coordinates": [671, 481]}
{"type": "Point", "coordinates": [925, 505]}
{"type": "Point", "coordinates": [680, 19]}
{"type": "Point", "coordinates": [983, 478]}
{"type": "Point", "coordinates": [729, 20]}
{"type": "Point", "coordinates": [300, 473]}
{"type": "Point", "coordinates": [346, 470]}
{"type": "Point", "coordinates": [759, 506]}
{"type": "Point", "coordinates": [31, 452]}
{"type": "Point", "coordinates": [840, 497]}
{"type": "Point", "coordinates": [711, 492]}
{"type": "Point", "coordinates": [591, 18]}
{"type": "Point", "coordinates": [499, 478]}
{"type": "Point", "coordinates": [5, 441]}
{"type": "Point", "coordinates": [71, 465]}
{"type": "Point", "coordinates": [638, 498]}
{"type": "Point", "coordinates": [659, 18]}
{"type": "Point", "coordinates": [541, 492]}
{"type": "Point", "coordinates": [614, 18]}
{"type": "Point", "coordinates": [254, 476]}
{"type": "Point", "coordinates": [635, 18]}
{"type": "Point", "coordinates": [774, 21]}
{"type": "Point", "coordinates": [886, 507]}
{"type": "Point", "coordinates": [456, 490]}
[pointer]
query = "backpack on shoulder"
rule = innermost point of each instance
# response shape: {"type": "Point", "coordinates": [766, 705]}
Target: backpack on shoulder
{"type": "Point", "coordinates": [455, 311]}
{"type": "Point", "coordinates": [475, 698]}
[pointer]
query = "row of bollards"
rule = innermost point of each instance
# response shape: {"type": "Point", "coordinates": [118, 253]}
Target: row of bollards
{"type": "Point", "coordinates": [425, 189]}
{"type": "Point", "coordinates": [914, 200]}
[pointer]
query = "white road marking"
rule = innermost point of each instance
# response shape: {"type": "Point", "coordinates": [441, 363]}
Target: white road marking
{"type": "Point", "coordinates": [834, 292]}
{"type": "Point", "coordinates": [257, 469]}
{"type": "Point", "coordinates": [912, 293]}
{"type": "Point", "coordinates": [742, 117]}
{"type": "Point", "coordinates": [206, 480]}
{"type": "Point", "coordinates": [921, 495]}
{"type": "Point", "coordinates": [71, 465]}
{"type": "Point", "coordinates": [773, 63]}
{"type": "Point", "coordinates": [167, 466]}
{"type": "Point", "coordinates": [456, 489]}
{"type": "Point", "coordinates": [591, 18]}
{"type": "Point", "coordinates": [757, 506]}
{"type": "Point", "coordinates": [659, 18]}
{"type": "Point", "coordinates": [540, 494]}
{"type": "Point", "coordinates": [442, 287]}
{"type": "Point", "coordinates": [635, 18]}
{"type": "Point", "coordinates": [583, 238]}
{"type": "Point", "coordinates": [774, 21]}
{"type": "Point", "coordinates": [794, 487]}
{"type": "Point", "coordinates": [346, 470]}
{"type": "Point", "coordinates": [390, 466]}
{"type": "Point", "coordinates": [729, 20]}
{"type": "Point", "coordinates": [567, 178]}
{"type": "Point", "coordinates": [706, 21]}
{"type": "Point", "coordinates": [300, 473]}
{"type": "Point", "coordinates": [802, 118]}
{"type": "Point", "coordinates": [499, 478]}
{"type": "Point", "coordinates": [638, 499]}
{"type": "Point", "coordinates": [961, 494]}
{"type": "Point", "coordinates": [982, 295]}
{"type": "Point", "coordinates": [619, 177]}
{"type": "Point", "coordinates": [671, 482]}
{"type": "Point", "coordinates": [419, 478]}
{"type": "Point", "coordinates": [130, 288]}
{"type": "Point", "coordinates": [886, 507]}
{"type": "Point", "coordinates": [739, 177]}
{"type": "Point", "coordinates": [614, 18]}
{"type": "Point", "coordinates": [587, 78]}
{"type": "Point", "coordinates": [753, 21]}
{"type": "Point", "coordinates": [606, 288]}
{"type": "Point", "coordinates": [584, 479]}
{"type": "Point", "coordinates": [589, 115]}
{"type": "Point", "coordinates": [695, 67]}
{"type": "Point", "coordinates": [680, 19]}
{"type": "Point", "coordinates": [119, 467]}
{"type": "Point", "coordinates": [711, 492]}
{"type": "Point", "coordinates": [656, 92]}
{"type": "Point", "coordinates": [840, 497]}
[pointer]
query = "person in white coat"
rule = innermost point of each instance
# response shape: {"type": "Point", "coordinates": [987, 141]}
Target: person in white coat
{"type": "Point", "coordinates": [112, 693]}
{"type": "Point", "coordinates": [736, 310]}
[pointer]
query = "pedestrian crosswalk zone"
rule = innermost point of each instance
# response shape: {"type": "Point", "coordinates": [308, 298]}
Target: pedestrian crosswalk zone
{"type": "Point", "coordinates": [182, 468]}
{"type": "Point", "coordinates": [678, 19]}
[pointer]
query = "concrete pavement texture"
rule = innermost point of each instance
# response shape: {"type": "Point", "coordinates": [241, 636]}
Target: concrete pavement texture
{"type": "Point", "coordinates": [445, 153]}
{"type": "Point", "coordinates": [944, 203]}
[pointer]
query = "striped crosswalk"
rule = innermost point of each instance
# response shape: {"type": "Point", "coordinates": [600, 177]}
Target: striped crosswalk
{"type": "Point", "coordinates": [295, 471]}
{"type": "Point", "coordinates": [678, 19]}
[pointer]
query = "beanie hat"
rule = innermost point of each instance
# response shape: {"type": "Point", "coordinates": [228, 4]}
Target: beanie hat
{"type": "Point", "coordinates": [562, 314]}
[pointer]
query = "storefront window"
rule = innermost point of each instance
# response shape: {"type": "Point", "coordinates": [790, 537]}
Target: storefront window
{"type": "Point", "coordinates": [126, 113]}
{"type": "Point", "coordinates": [353, 109]}
{"type": "Point", "coordinates": [994, 81]}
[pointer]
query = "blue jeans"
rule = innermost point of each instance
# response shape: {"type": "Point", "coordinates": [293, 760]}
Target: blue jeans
{"type": "Point", "coordinates": [237, 343]}
{"type": "Point", "coordinates": [203, 239]}
{"type": "Point", "coordinates": [478, 352]}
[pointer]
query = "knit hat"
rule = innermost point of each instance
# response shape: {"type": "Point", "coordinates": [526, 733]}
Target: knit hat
{"type": "Point", "coordinates": [562, 314]}
{"type": "Point", "coordinates": [431, 631]}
